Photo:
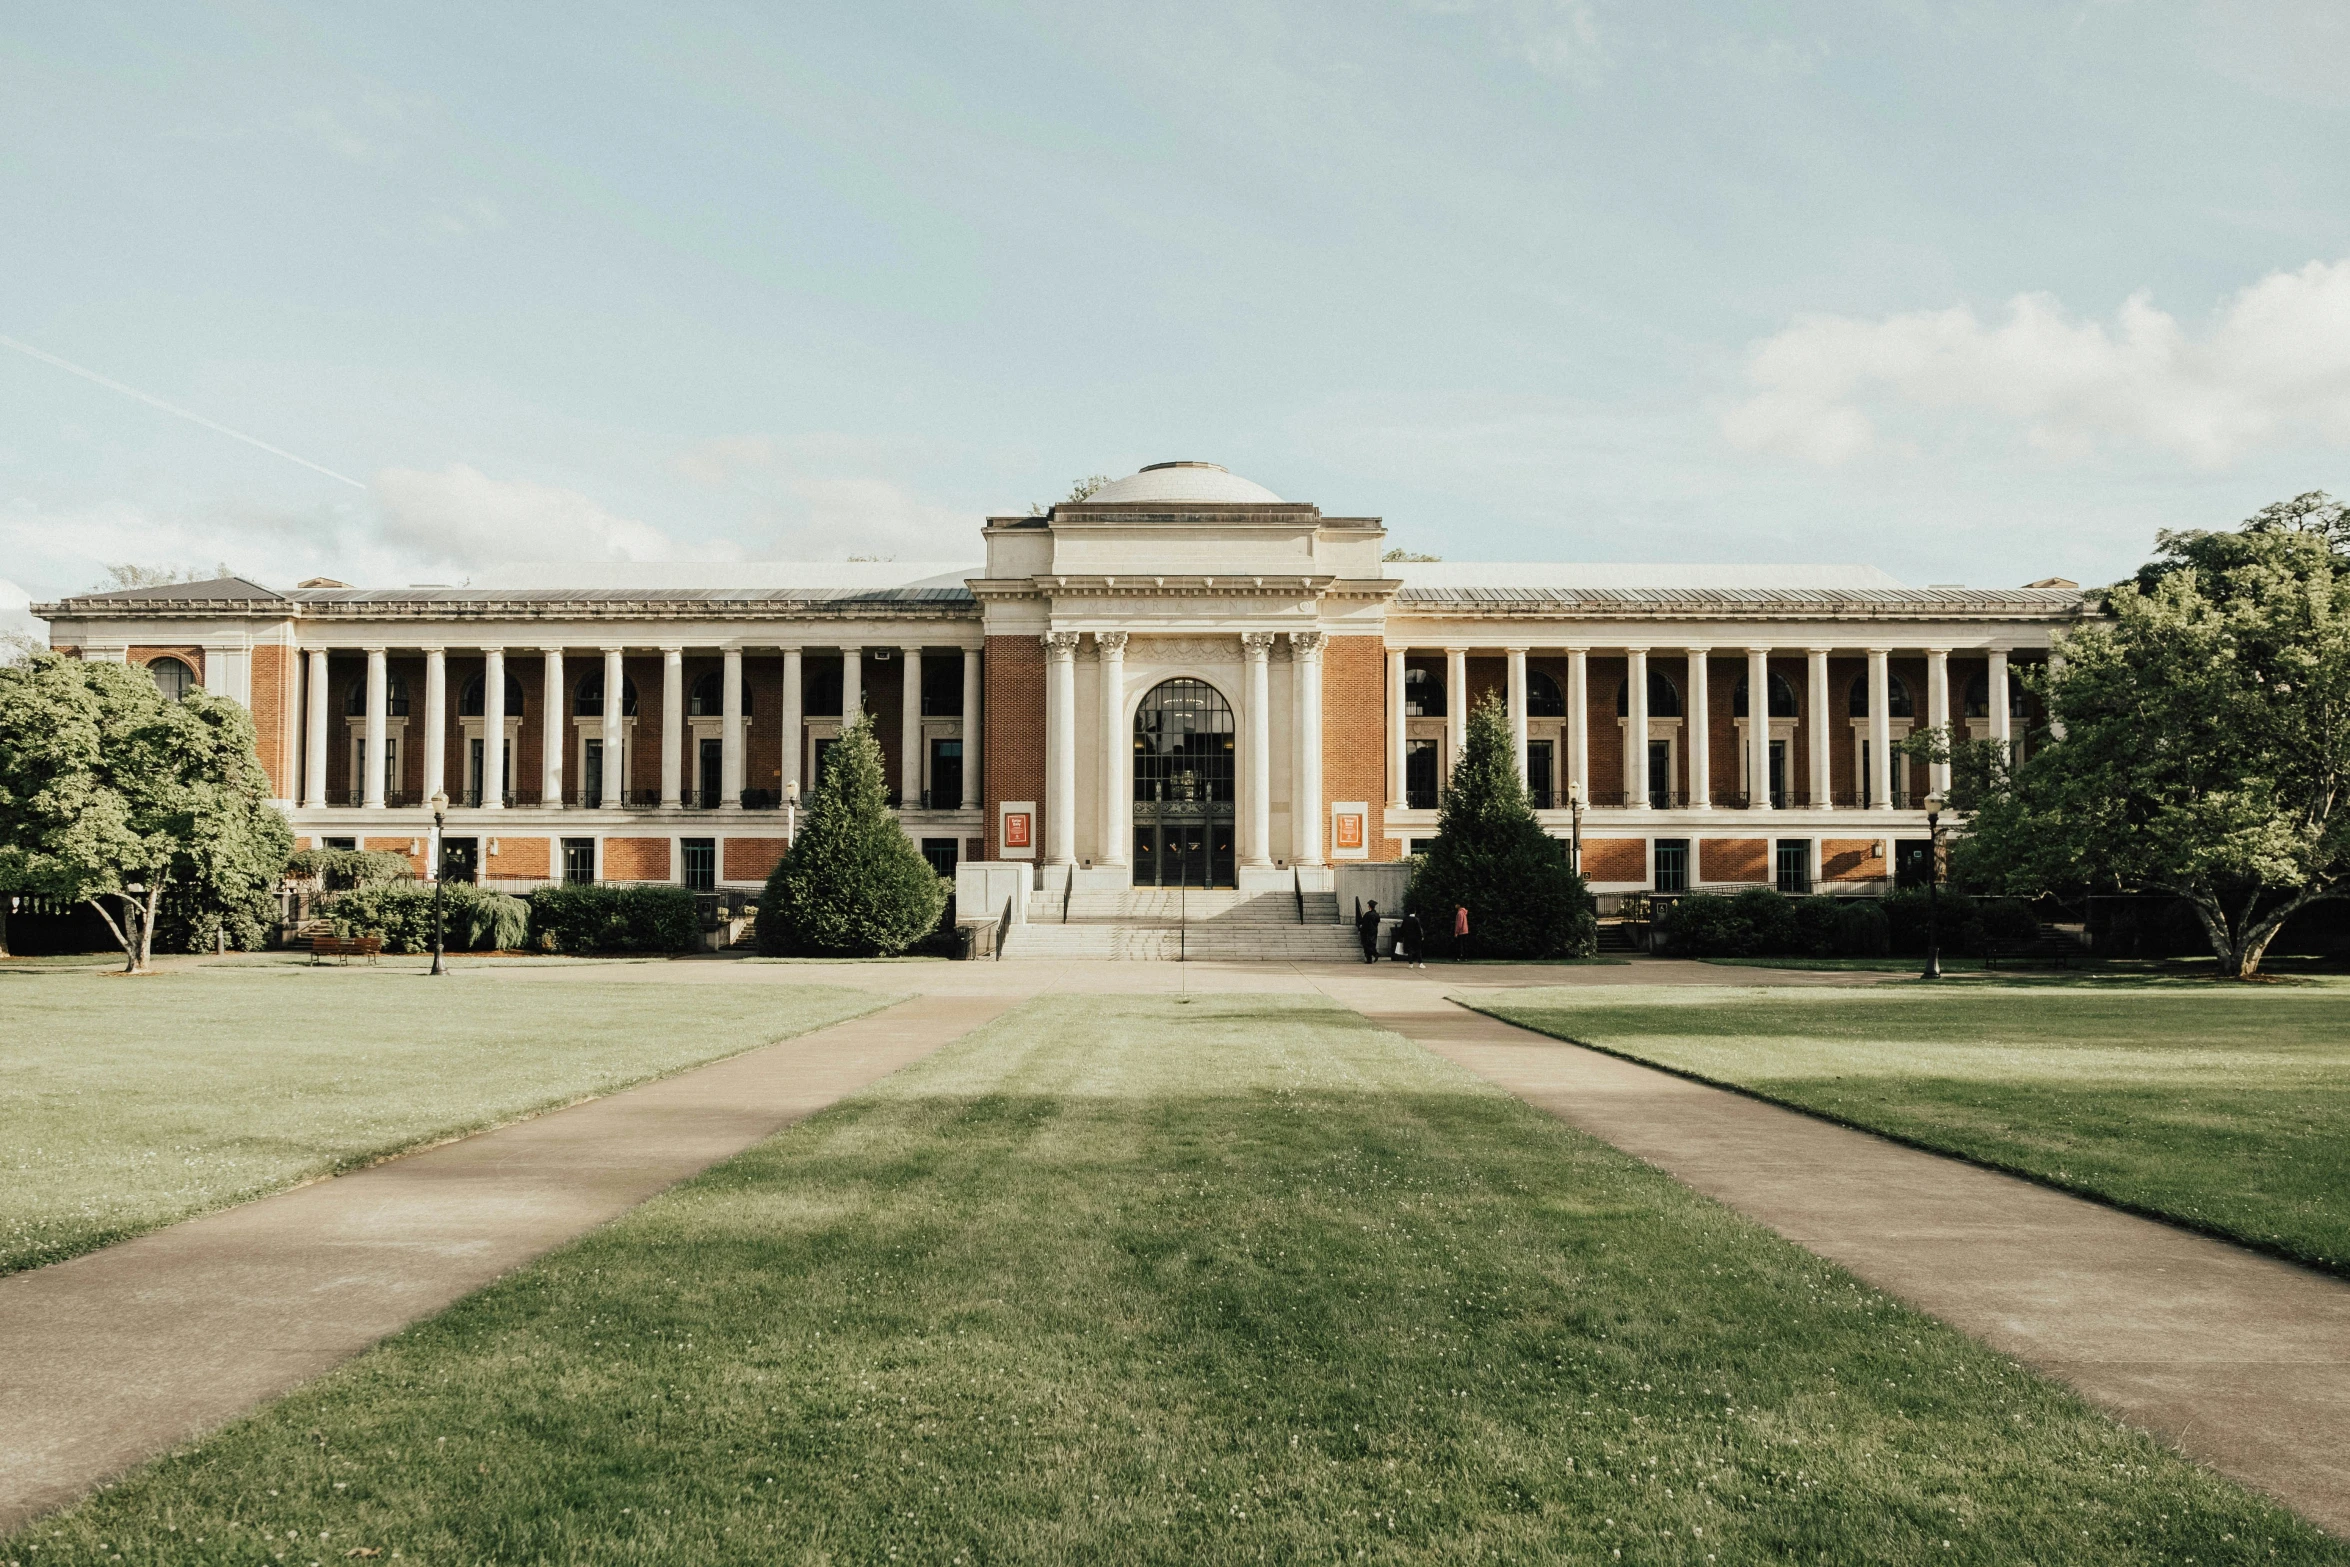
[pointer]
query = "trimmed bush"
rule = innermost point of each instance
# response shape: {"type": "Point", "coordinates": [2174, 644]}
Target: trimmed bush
{"type": "Point", "coordinates": [472, 920]}
{"type": "Point", "coordinates": [1861, 930]}
{"type": "Point", "coordinates": [338, 870]}
{"type": "Point", "coordinates": [1492, 858]}
{"type": "Point", "coordinates": [854, 885]}
{"type": "Point", "coordinates": [1815, 927]}
{"type": "Point", "coordinates": [604, 917]}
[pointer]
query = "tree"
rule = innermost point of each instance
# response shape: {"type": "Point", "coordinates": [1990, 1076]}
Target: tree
{"type": "Point", "coordinates": [1492, 858]}
{"type": "Point", "coordinates": [113, 795]}
{"type": "Point", "coordinates": [128, 575]}
{"type": "Point", "coordinates": [1402, 554]}
{"type": "Point", "coordinates": [2206, 747]}
{"type": "Point", "coordinates": [853, 884]}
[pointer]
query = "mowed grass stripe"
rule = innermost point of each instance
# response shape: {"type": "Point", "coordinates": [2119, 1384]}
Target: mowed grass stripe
{"type": "Point", "coordinates": [1138, 1280]}
{"type": "Point", "coordinates": [129, 1104]}
{"type": "Point", "coordinates": [2225, 1109]}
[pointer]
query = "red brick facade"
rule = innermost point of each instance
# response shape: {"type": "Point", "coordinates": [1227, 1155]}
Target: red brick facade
{"type": "Point", "coordinates": [1354, 707]}
{"type": "Point", "coordinates": [1734, 859]}
{"type": "Point", "coordinates": [1850, 859]}
{"type": "Point", "coordinates": [1615, 859]}
{"type": "Point", "coordinates": [636, 859]}
{"type": "Point", "coordinates": [1012, 747]}
{"type": "Point", "coordinates": [751, 859]}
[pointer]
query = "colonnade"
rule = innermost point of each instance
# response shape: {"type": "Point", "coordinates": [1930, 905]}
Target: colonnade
{"type": "Point", "coordinates": [371, 786]}
{"type": "Point", "coordinates": [1114, 818]}
{"type": "Point", "coordinates": [1697, 711]}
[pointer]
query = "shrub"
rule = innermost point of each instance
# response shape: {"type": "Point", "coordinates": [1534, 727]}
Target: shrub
{"type": "Point", "coordinates": [472, 920]}
{"type": "Point", "coordinates": [853, 884]}
{"type": "Point", "coordinates": [1492, 858]}
{"type": "Point", "coordinates": [1703, 925]}
{"type": "Point", "coordinates": [338, 870]}
{"type": "Point", "coordinates": [1769, 918]}
{"type": "Point", "coordinates": [604, 917]}
{"type": "Point", "coordinates": [1815, 927]}
{"type": "Point", "coordinates": [1860, 929]}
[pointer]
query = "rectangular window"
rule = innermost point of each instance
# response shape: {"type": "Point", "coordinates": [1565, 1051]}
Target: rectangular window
{"type": "Point", "coordinates": [591, 773]}
{"type": "Point", "coordinates": [701, 863]}
{"type": "Point", "coordinates": [824, 745]}
{"type": "Point", "coordinates": [942, 686]}
{"type": "Point", "coordinates": [1672, 865]}
{"type": "Point", "coordinates": [460, 859]}
{"type": "Point", "coordinates": [1423, 772]}
{"type": "Point", "coordinates": [820, 687]}
{"type": "Point", "coordinates": [946, 776]}
{"type": "Point", "coordinates": [709, 773]}
{"type": "Point", "coordinates": [342, 843]}
{"type": "Point", "coordinates": [941, 853]}
{"type": "Point", "coordinates": [1913, 862]}
{"type": "Point", "coordinates": [579, 861]}
{"type": "Point", "coordinates": [1791, 865]}
{"type": "Point", "coordinates": [1778, 775]}
{"type": "Point", "coordinates": [1660, 775]}
{"type": "Point", "coordinates": [1538, 773]}
{"type": "Point", "coordinates": [1422, 845]}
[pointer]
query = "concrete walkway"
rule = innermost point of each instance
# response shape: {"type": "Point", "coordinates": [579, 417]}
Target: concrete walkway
{"type": "Point", "coordinates": [115, 1357]}
{"type": "Point", "coordinates": [2239, 1360]}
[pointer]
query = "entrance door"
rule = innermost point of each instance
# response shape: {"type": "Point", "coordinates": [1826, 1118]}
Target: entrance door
{"type": "Point", "coordinates": [1538, 773]}
{"type": "Point", "coordinates": [460, 859]}
{"type": "Point", "coordinates": [710, 771]}
{"type": "Point", "coordinates": [591, 773]}
{"type": "Point", "coordinates": [1779, 775]}
{"type": "Point", "coordinates": [1660, 775]}
{"type": "Point", "coordinates": [1183, 787]}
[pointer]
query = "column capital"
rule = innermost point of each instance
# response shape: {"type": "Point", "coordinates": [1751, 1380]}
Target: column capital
{"type": "Point", "coordinates": [1697, 652]}
{"type": "Point", "coordinates": [1308, 644]}
{"type": "Point", "coordinates": [1819, 652]}
{"type": "Point", "coordinates": [612, 652]}
{"type": "Point", "coordinates": [552, 652]}
{"type": "Point", "coordinates": [374, 649]}
{"type": "Point", "coordinates": [1110, 641]}
{"type": "Point", "coordinates": [1452, 651]}
{"type": "Point", "coordinates": [1642, 651]}
{"type": "Point", "coordinates": [1937, 652]}
{"type": "Point", "coordinates": [1763, 651]}
{"type": "Point", "coordinates": [846, 648]}
{"type": "Point", "coordinates": [430, 648]}
{"type": "Point", "coordinates": [1519, 648]}
{"type": "Point", "coordinates": [1059, 645]}
{"type": "Point", "coordinates": [498, 648]}
{"type": "Point", "coordinates": [1878, 652]}
{"type": "Point", "coordinates": [1256, 646]}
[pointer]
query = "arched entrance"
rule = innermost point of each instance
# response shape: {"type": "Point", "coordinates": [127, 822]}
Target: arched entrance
{"type": "Point", "coordinates": [1183, 772]}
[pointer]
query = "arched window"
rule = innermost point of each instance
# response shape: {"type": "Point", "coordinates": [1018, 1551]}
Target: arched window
{"type": "Point", "coordinates": [1183, 735]}
{"type": "Point", "coordinates": [1782, 698]}
{"type": "Point", "coordinates": [588, 701]}
{"type": "Point", "coordinates": [395, 697]}
{"type": "Point", "coordinates": [1423, 692]}
{"type": "Point", "coordinates": [172, 677]}
{"type": "Point", "coordinates": [1663, 700]}
{"type": "Point", "coordinates": [1978, 695]}
{"type": "Point", "coordinates": [469, 701]}
{"type": "Point", "coordinates": [1896, 697]}
{"type": "Point", "coordinates": [709, 696]}
{"type": "Point", "coordinates": [1542, 696]}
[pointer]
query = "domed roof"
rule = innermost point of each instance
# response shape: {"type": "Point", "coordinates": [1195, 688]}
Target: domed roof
{"type": "Point", "coordinates": [1184, 483]}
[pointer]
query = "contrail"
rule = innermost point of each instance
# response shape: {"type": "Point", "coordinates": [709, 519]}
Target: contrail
{"type": "Point", "coordinates": [31, 352]}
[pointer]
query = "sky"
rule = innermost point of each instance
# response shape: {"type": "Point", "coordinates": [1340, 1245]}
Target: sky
{"type": "Point", "coordinates": [1977, 293]}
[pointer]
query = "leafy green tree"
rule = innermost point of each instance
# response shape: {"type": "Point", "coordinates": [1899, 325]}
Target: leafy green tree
{"type": "Point", "coordinates": [1492, 858]}
{"type": "Point", "coordinates": [112, 795]}
{"type": "Point", "coordinates": [2206, 739]}
{"type": "Point", "coordinates": [853, 885]}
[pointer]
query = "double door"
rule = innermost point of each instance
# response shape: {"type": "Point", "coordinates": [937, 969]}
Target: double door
{"type": "Point", "coordinates": [1195, 851]}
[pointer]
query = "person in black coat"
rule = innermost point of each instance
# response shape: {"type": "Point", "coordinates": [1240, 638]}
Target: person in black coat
{"type": "Point", "coordinates": [1408, 937]}
{"type": "Point", "coordinates": [1367, 928]}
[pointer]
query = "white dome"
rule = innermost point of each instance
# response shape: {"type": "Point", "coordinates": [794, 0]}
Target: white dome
{"type": "Point", "coordinates": [1186, 483]}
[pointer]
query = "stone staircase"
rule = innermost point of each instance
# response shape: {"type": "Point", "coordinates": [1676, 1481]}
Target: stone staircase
{"type": "Point", "coordinates": [1151, 924]}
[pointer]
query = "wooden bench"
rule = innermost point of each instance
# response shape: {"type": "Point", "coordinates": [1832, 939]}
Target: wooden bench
{"type": "Point", "coordinates": [346, 948]}
{"type": "Point", "coordinates": [2046, 953]}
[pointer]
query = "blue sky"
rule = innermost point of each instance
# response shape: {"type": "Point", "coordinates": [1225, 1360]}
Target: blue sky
{"type": "Point", "coordinates": [1978, 293]}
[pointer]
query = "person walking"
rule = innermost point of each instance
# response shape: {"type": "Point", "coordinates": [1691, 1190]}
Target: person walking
{"type": "Point", "coordinates": [1409, 937]}
{"type": "Point", "coordinates": [1367, 929]}
{"type": "Point", "coordinates": [1460, 930]}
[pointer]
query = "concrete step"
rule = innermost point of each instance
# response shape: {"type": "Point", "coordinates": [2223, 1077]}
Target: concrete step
{"type": "Point", "coordinates": [1153, 943]}
{"type": "Point", "coordinates": [1158, 907]}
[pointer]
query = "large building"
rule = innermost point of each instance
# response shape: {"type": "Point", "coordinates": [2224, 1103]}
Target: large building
{"type": "Point", "coordinates": [1182, 678]}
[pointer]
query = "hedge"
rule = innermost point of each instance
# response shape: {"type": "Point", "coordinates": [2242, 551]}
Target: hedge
{"type": "Point", "coordinates": [401, 913]}
{"type": "Point", "coordinates": [601, 917]}
{"type": "Point", "coordinates": [1761, 922]}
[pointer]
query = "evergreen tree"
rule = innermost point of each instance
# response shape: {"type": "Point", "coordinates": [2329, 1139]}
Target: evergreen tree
{"type": "Point", "coordinates": [1492, 858]}
{"type": "Point", "coordinates": [853, 884]}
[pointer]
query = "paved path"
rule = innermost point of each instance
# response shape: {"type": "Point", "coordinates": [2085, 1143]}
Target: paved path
{"type": "Point", "coordinates": [114, 1357]}
{"type": "Point", "coordinates": [2241, 1361]}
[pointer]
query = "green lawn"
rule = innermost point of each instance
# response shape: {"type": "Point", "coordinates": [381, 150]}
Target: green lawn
{"type": "Point", "coordinates": [128, 1103]}
{"type": "Point", "coordinates": [1138, 1280]}
{"type": "Point", "coordinates": [2227, 1108]}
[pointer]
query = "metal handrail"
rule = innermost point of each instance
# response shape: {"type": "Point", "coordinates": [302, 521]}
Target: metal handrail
{"type": "Point", "coordinates": [1297, 883]}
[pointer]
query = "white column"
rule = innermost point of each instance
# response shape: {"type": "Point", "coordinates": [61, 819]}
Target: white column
{"type": "Point", "coordinates": [314, 733]}
{"type": "Point", "coordinates": [553, 732]}
{"type": "Point", "coordinates": [1060, 747]}
{"type": "Point", "coordinates": [1395, 727]}
{"type": "Point", "coordinates": [436, 723]}
{"type": "Point", "coordinates": [1579, 721]}
{"type": "Point", "coordinates": [615, 775]}
{"type": "Point", "coordinates": [1116, 838]}
{"type": "Point", "coordinates": [1880, 730]}
{"type": "Point", "coordinates": [852, 685]}
{"type": "Point", "coordinates": [971, 793]}
{"type": "Point", "coordinates": [1816, 718]}
{"type": "Point", "coordinates": [1305, 783]}
{"type": "Point", "coordinates": [1938, 712]}
{"type": "Point", "coordinates": [1456, 711]}
{"type": "Point", "coordinates": [1995, 682]}
{"type": "Point", "coordinates": [1636, 726]}
{"type": "Point", "coordinates": [673, 727]}
{"type": "Point", "coordinates": [371, 787]}
{"type": "Point", "coordinates": [1256, 648]}
{"type": "Point", "coordinates": [1516, 699]}
{"type": "Point", "coordinates": [910, 730]}
{"type": "Point", "coordinates": [793, 739]}
{"type": "Point", "coordinates": [1700, 757]}
{"type": "Point", "coordinates": [1758, 728]}
{"type": "Point", "coordinates": [493, 729]}
{"type": "Point", "coordinates": [730, 735]}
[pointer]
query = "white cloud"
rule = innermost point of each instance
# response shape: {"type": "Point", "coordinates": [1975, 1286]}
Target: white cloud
{"type": "Point", "coordinates": [2272, 366]}
{"type": "Point", "coordinates": [461, 516]}
{"type": "Point", "coordinates": [819, 498]}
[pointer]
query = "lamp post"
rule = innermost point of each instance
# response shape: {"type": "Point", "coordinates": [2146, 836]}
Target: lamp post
{"type": "Point", "coordinates": [1933, 887]}
{"type": "Point", "coordinates": [1575, 804]}
{"type": "Point", "coordinates": [791, 813]}
{"type": "Point", "coordinates": [440, 809]}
